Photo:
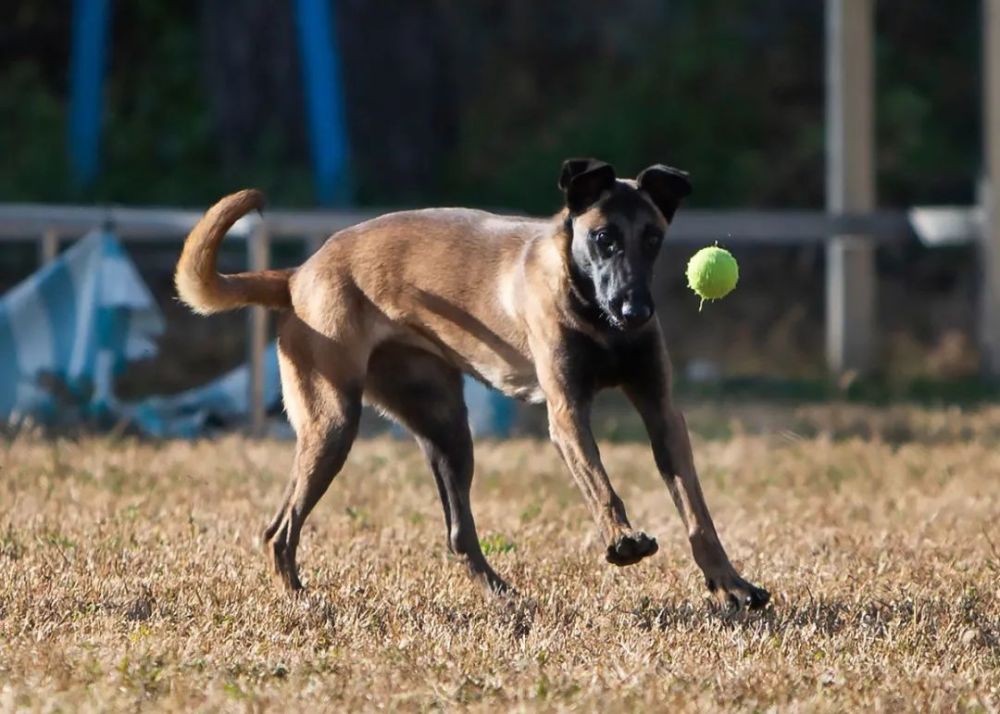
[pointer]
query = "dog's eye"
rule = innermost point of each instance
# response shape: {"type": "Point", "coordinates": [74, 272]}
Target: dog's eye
{"type": "Point", "coordinates": [605, 242]}
{"type": "Point", "coordinates": [653, 239]}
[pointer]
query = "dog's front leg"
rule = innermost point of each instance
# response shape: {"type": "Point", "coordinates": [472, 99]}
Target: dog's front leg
{"type": "Point", "coordinates": [649, 390]}
{"type": "Point", "coordinates": [569, 428]}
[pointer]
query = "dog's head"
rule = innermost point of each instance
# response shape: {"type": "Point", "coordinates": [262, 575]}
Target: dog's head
{"type": "Point", "coordinates": [616, 227]}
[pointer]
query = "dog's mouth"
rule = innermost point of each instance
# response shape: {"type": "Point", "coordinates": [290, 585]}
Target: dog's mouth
{"type": "Point", "coordinates": [626, 320]}
{"type": "Point", "coordinates": [623, 323]}
{"type": "Point", "coordinates": [615, 323]}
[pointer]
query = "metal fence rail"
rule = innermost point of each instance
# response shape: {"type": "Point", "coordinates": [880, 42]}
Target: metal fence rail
{"type": "Point", "coordinates": [28, 222]}
{"type": "Point", "coordinates": [47, 225]}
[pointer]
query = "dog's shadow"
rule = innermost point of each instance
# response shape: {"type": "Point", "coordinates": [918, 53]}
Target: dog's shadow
{"type": "Point", "coordinates": [827, 618]}
{"type": "Point", "coordinates": [874, 617]}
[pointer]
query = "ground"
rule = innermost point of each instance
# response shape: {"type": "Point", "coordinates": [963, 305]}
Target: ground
{"type": "Point", "coordinates": [132, 576]}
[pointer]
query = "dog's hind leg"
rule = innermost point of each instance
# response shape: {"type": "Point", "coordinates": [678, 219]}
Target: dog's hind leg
{"type": "Point", "coordinates": [425, 394]}
{"type": "Point", "coordinates": [325, 408]}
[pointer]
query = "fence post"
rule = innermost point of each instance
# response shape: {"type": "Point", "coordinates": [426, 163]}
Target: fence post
{"type": "Point", "coordinates": [850, 183]}
{"type": "Point", "coordinates": [48, 246]}
{"type": "Point", "coordinates": [258, 255]}
{"type": "Point", "coordinates": [989, 195]}
{"type": "Point", "coordinates": [91, 20]}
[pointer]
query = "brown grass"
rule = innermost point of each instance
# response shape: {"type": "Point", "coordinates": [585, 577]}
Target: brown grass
{"type": "Point", "coordinates": [130, 576]}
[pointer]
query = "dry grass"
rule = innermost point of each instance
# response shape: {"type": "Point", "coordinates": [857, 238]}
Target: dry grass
{"type": "Point", "coordinates": [131, 576]}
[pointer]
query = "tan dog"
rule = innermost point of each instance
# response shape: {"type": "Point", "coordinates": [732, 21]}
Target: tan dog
{"type": "Point", "coordinates": [396, 309]}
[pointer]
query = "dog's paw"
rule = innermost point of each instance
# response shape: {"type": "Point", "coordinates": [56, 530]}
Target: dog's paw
{"type": "Point", "coordinates": [735, 593]}
{"type": "Point", "coordinates": [631, 548]}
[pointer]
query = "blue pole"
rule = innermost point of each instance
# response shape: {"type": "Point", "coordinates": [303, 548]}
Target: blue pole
{"type": "Point", "coordinates": [324, 99]}
{"type": "Point", "coordinates": [90, 30]}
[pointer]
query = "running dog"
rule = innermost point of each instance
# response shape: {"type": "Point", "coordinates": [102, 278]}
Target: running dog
{"type": "Point", "coordinates": [393, 311]}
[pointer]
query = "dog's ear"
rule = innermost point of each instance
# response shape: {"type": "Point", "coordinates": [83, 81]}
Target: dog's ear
{"type": "Point", "coordinates": [583, 181]}
{"type": "Point", "coordinates": [666, 186]}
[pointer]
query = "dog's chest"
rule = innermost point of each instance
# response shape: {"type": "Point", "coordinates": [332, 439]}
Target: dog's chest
{"type": "Point", "coordinates": [587, 366]}
{"type": "Point", "coordinates": [590, 366]}
{"type": "Point", "coordinates": [515, 380]}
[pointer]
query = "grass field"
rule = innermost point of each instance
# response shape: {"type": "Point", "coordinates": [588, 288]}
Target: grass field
{"type": "Point", "coordinates": [130, 575]}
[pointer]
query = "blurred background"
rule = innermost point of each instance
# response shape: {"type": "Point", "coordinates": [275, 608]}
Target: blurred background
{"type": "Point", "coordinates": [443, 102]}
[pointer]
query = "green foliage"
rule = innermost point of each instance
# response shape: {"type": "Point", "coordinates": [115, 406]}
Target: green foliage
{"type": "Point", "coordinates": [730, 89]}
{"type": "Point", "coordinates": [159, 142]}
{"type": "Point", "coordinates": [928, 101]}
{"type": "Point", "coordinates": [496, 543]}
{"type": "Point", "coordinates": [686, 96]}
{"type": "Point", "coordinates": [34, 166]}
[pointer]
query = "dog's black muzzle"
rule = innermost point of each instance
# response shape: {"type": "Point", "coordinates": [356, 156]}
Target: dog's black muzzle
{"type": "Point", "coordinates": [632, 310]}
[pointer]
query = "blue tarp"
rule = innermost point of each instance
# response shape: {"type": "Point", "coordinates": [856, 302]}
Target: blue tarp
{"type": "Point", "coordinates": [224, 402]}
{"type": "Point", "coordinates": [67, 330]}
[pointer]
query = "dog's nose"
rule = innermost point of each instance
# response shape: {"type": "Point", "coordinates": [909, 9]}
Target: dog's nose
{"type": "Point", "coordinates": [635, 313]}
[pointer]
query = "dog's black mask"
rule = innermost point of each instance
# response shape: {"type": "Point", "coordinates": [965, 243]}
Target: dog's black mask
{"type": "Point", "coordinates": [616, 229]}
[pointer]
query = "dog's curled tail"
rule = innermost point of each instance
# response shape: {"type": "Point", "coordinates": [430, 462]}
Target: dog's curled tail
{"type": "Point", "coordinates": [199, 284]}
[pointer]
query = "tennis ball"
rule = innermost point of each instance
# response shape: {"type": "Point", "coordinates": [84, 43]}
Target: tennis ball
{"type": "Point", "coordinates": [712, 273]}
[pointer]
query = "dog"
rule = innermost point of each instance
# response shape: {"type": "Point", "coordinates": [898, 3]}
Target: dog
{"type": "Point", "coordinates": [394, 311]}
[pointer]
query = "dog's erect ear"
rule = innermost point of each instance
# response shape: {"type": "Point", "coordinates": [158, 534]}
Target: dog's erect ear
{"type": "Point", "coordinates": [666, 186]}
{"type": "Point", "coordinates": [583, 181]}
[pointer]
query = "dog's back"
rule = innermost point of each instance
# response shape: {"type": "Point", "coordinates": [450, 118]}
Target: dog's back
{"type": "Point", "coordinates": [443, 279]}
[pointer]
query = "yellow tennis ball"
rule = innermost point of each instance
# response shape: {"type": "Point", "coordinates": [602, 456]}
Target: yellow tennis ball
{"type": "Point", "coordinates": [712, 273]}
